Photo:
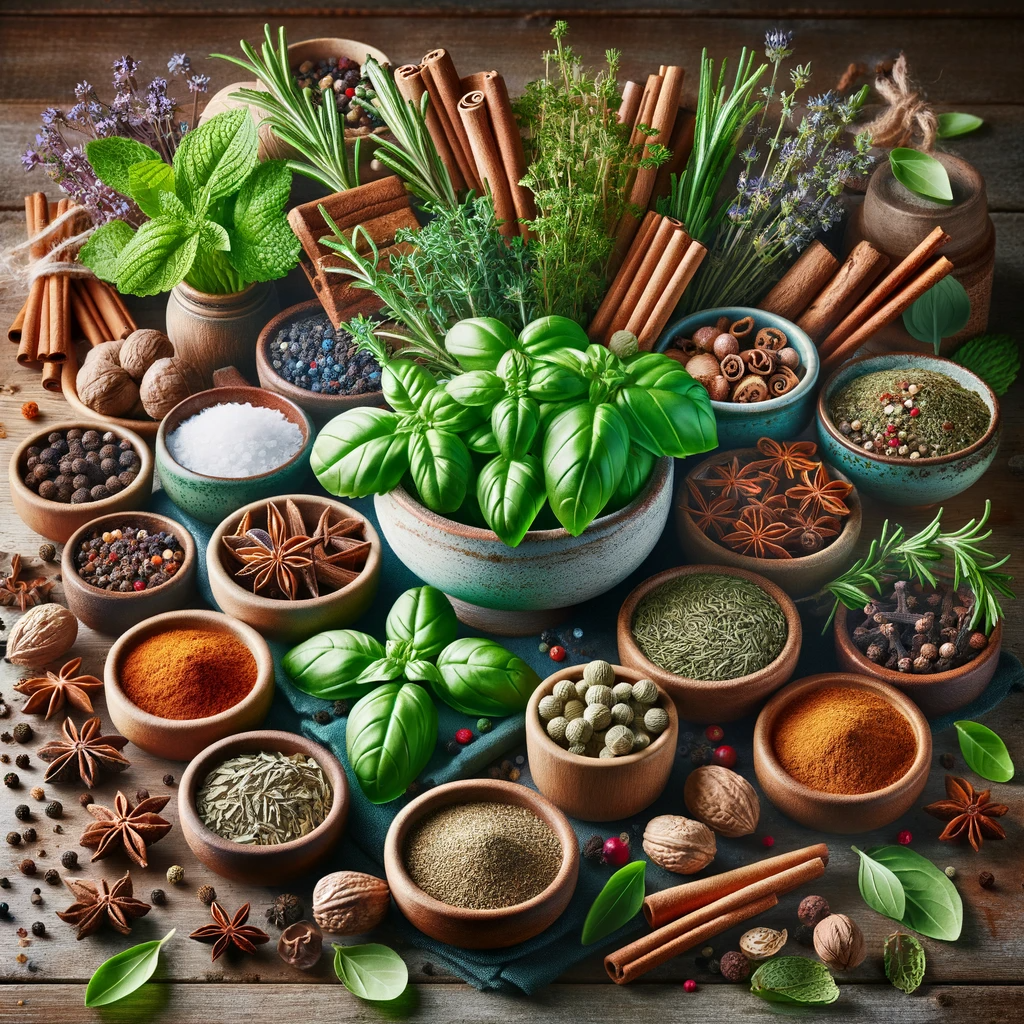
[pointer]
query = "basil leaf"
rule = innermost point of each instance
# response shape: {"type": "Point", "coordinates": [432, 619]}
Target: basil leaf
{"type": "Point", "coordinates": [157, 258]}
{"type": "Point", "coordinates": [214, 159]}
{"type": "Point", "coordinates": [405, 385]}
{"type": "Point", "coordinates": [329, 664]}
{"type": "Point", "coordinates": [904, 961]}
{"type": "Point", "coordinates": [440, 467]}
{"type": "Point", "coordinates": [638, 471]}
{"type": "Point", "coordinates": [984, 752]}
{"type": "Point", "coordinates": [384, 670]}
{"type": "Point", "coordinates": [439, 409]}
{"type": "Point", "coordinates": [390, 735]}
{"type": "Point", "coordinates": [112, 158]}
{"type": "Point", "coordinates": [921, 174]}
{"type": "Point", "coordinates": [146, 180]}
{"type": "Point", "coordinates": [656, 370]}
{"type": "Point", "coordinates": [479, 342]}
{"type": "Point", "coordinates": [425, 619]}
{"type": "Point", "coordinates": [481, 439]}
{"type": "Point", "coordinates": [794, 979]}
{"type": "Point", "coordinates": [552, 334]}
{"type": "Point", "coordinates": [953, 124]}
{"type": "Point", "coordinates": [661, 421]}
{"type": "Point", "coordinates": [933, 906]}
{"type": "Point", "coordinates": [479, 677]}
{"type": "Point", "coordinates": [359, 453]}
{"type": "Point", "coordinates": [421, 671]}
{"type": "Point", "coordinates": [476, 387]}
{"type": "Point", "coordinates": [514, 369]}
{"type": "Point", "coordinates": [124, 972]}
{"type": "Point", "coordinates": [263, 245]}
{"type": "Point", "coordinates": [555, 382]}
{"type": "Point", "coordinates": [510, 493]}
{"type": "Point", "coordinates": [617, 903]}
{"type": "Point", "coordinates": [101, 253]}
{"type": "Point", "coordinates": [371, 971]}
{"type": "Point", "coordinates": [515, 422]}
{"type": "Point", "coordinates": [941, 312]}
{"type": "Point", "coordinates": [880, 889]}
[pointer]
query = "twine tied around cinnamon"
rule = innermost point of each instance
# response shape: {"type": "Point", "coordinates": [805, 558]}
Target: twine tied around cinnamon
{"type": "Point", "coordinates": [907, 114]}
{"type": "Point", "coordinates": [19, 266]}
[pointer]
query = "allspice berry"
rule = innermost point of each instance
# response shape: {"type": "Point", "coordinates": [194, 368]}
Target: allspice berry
{"type": "Point", "coordinates": [175, 874]}
{"type": "Point", "coordinates": [69, 860]}
{"type": "Point", "coordinates": [27, 866]}
{"type": "Point", "coordinates": [734, 966]}
{"type": "Point", "coordinates": [206, 894]}
{"type": "Point", "coordinates": [812, 910]}
{"type": "Point", "coordinates": [839, 942]}
{"type": "Point", "coordinates": [23, 732]}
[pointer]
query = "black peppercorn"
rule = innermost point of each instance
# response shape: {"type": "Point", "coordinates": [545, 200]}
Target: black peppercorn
{"type": "Point", "coordinates": [27, 866]}
{"type": "Point", "coordinates": [5, 912]}
{"type": "Point", "coordinates": [52, 877]}
{"type": "Point", "coordinates": [452, 747]}
{"type": "Point", "coordinates": [38, 929]}
{"type": "Point", "coordinates": [47, 552]}
{"type": "Point", "coordinates": [23, 761]}
{"type": "Point", "coordinates": [285, 910]}
{"type": "Point", "coordinates": [158, 897]}
{"type": "Point", "coordinates": [5, 882]}
{"type": "Point", "coordinates": [36, 899]}
{"type": "Point", "coordinates": [593, 848]}
{"type": "Point", "coordinates": [29, 835]}
{"type": "Point", "coordinates": [14, 838]}
{"type": "Point", "coordinates": [168, 780]}
{"type": "Point", "coordinates": [54, 809]}
{"type": "Point", "coordinates": [140, 795]}
{"type": "Point", "coordinates": [986, 879]}
{"type": "Point", "coordinates": [23, 732]}
{"type": "Point", "coordinates": [23, 812]}
{"type": "Point", "coordinates": [69, 860]}
{"type": "Point", "coordinates": [85, 799]}
{"type": "Point", "coordinates": [948, 761]}
{"type": "Point", "coordinates": [11, 780]}
{"type": "Point", "coordinates": [340, 709]}
{"type": "Point", "coordinates": [714, 966]}
{"type": "Point", "coordinates": [322, 717]}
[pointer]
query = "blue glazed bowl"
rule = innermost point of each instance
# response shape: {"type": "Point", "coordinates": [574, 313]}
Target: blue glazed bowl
{"type": "Point", "coordinates": [901, 481]}
{"type": "Point", "coordinates": [741, 424]}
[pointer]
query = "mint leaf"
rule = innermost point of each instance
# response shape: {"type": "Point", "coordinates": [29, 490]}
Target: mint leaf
{"type": "Point", "coordinates": [212, 273]}
{"type": "Point", "coordinates": [213, 237]}
{"type": "Point", "coordinates": [103, 250]}
{"type": "Point", "coordinates": [263, 246]}
{"type": "Point", "coordinates": [214, 159]}
{"type": "Point", "coordinates": [904, 961]}
{"type": "Point", "coordinates": [111, 159]}
{"type": "Point", "coordinates": [146, 181]}
{"type": "Point", "coordinates": [157, 258]}
{"type": "Point", "coordinates": [794, 979]}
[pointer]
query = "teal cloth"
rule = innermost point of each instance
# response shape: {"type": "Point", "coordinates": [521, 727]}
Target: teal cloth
{"type": "Point", "coordinates": [530, 965]}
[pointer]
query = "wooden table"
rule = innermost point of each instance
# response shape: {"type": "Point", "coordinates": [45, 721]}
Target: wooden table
{"type": "Point", "coordinates": [967, 56]}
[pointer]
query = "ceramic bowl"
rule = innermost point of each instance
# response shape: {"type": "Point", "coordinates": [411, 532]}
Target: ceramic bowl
{"type": "Point", "coordinates": [741, 424]}
{"type": "Point", "coordinates": [181, 739]}
{"type": "Point", "coordinates": [840, 813]}
{"type": "Point", "coordinates": [110, 611]}
{"type": "Point", "coordinates": [520, 591]}
{"type": "Point", "coordinates": [599, 788]}
{"type": "Point", "coordinates": [798, 577]}
{"type": "Point", "coordinates": [211, 498]}
{"type": "Point", "coordinates": [261, 865]}
{"type": "Point", "coordinates": [935, 694]}
{"type": "Point", "coordinates": [54, 519]}
{"type": "Point", "coordinates": [712, 701]}
{"type": "Point", "coordinates": [278, 619]}
{"type": "Point", "coordinates": [480, 929]}
{"type": "Point", "coordinates": [320, 407]}
{"type": "Point", "coordinates": [902, 481]}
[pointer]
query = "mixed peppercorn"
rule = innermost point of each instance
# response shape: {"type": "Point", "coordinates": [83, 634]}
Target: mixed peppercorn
{"type": "Point", "coordinates": [128, 559]}
{"type": "Point", "coordinates": [343, 77]}
{"type": "Point", "coordinates": [314, 356]}
{"type": "Point", "coordinates": [79, 466]}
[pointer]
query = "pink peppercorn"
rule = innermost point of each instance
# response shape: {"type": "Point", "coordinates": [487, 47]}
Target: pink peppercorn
{"type": "Point", "coordinates": [464, 736]}
{"type": "Point", "coordinates": [714, 733]}
{"type": "Point", "coordinates": [894, 442]}
{"type": "Point", "coordinates": [915, 411]}
{"type": "Point", "coordinates": [350, 92]}
{"type": "Point", "coordinates": [139, 585]}
{"type": "Point", "coordinates": [904, 838]}
{"type": "Point", "coordinates": [768, 842]}
{"type": "Point", "coordinates": [689, 985]}
{"type": "Point", "coordinates": [557, 653]}
{"type": "Point", "coordinates": [615, 852]}
{"type": "Point", "coordinates": [724, 756]}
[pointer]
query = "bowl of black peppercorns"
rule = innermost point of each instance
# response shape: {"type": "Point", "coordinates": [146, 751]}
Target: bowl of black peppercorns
{"type": "Point", "coordinates": [70, 473]}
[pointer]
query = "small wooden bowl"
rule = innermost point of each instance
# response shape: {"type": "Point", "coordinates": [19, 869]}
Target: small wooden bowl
{"type": "Point", "coordinates": [799, 576]}
{"type": "Point", "coordinates": [839, 813]}
{"type": "Point", "coordinates": [261, 865]}
{"type": "Point", "coordinates": [936, 694]}
{"type": "Point", "coordinates": [596, 788]}
{"type": "Point", "coordinates": [480, 929]}
{"type": "Point", "coordinates": [181, 739]}
{"type": "Point", "coordinates": [110, 611]}
{"type": "Point", "coordinates": [279, 619]}
{"type": "Point", "coordinates": [146, 428]}
{"type": "Point", "coordinates": [58, 521]}
{"type": "Point", "coordinates": [710, 701]}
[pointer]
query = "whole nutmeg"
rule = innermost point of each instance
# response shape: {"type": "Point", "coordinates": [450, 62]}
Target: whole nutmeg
{"type": "Point", "coordinates": [41, 635]}
{"type": "Point", "coordinates": [704, 338]}
{"type": "Point", "coordinates": [704, 368]}
{"type": "Point", "coordinates": [722, 800]}
{"type": "Point", "coordinates": [300, 945]}
{"type": "Point", "coordinates": [167, 382]}
{"type": "Point", "coordinates": [105, 386]}
{"type": "Point", "coordinates": [350, 902]}
{"type": "Point", "coordinates": [718, 389]}
{"type": "Point", "coordinates": [725, 345]}
{"type": "Point", "coordinates": [679, 844]}
{"type": "Point", "coordinates": [141, 349]}
{"type": "Point", "coordinates": [734, 966]}
{"type": "Point", "coordinates": [788, 357]}
{"type": "Point", "coordinates": [839, 942]}
{"type": "Point", "coordinates": [812, 910]}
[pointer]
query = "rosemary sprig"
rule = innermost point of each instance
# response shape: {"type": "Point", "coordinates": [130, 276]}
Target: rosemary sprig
{"type": "Point", "coordinates": [920, 557]}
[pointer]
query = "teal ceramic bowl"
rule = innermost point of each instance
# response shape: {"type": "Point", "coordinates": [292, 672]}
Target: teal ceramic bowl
{"type": "Point", "coordinates": [901, 481]}
{"type": "Point", "coordinates": [741, 424]}
{"type": "Point", "coordinates": [211, 498]}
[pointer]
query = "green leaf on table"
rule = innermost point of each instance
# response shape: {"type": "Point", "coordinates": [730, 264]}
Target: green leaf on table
{"type": "Point", "coordinates": [214, 159]}
{"type": "Point", "coordinates": [112, 159]}
{"type": "Point", "coordinates": [984, 751]}
{"type": "Point", "coordinates": [510, 493]}
{"type": "Point", "coordinates": [955, 123]}
{"type": "Point", "coordinates": [329, 664]}
{"type": "Point", "coordinates": [146, 181]}
{"type": "Point", "coordinates": [263, 245]}
{"type": "Point", "coordinates": [424, 618]}
{"type": "Point", "coordinates": [880, 888]}
{"type": "Point", "coordinates": [124, 972]}
{"type": "Point", "coordinates": [904, 961]}
{"type": "Point", "coordinates": [794, 979]}
{"type": "Point", "coordinates": [933, 906]}
{"type": "Point", "coordinates": [480, 678]}
{"type": "Point", "coordinates": [361, 452]}
{"type": "Point", "coordinates": [921, 174]}
{"type": "Point", "coordinates": [940, 313]}
{"type": "Point", "coordinates": [371, 971]}
{"type": "Point", "coordinates": [616, 904]}
{"type": "Point", "coordinates": [104, 247]}
{"type": "Point", "coordinates": [157, 258]}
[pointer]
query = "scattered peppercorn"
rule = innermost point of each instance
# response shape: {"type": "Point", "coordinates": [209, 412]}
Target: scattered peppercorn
{"type": "Point", "coordinates": [557, 653]}
{"type": "Point", "coordinates": [949, 872]}
{"type": "Point", "coordinates": [158, 897]}
{"type": "Point", "coordinates": [905, 838]}
{"type": "Point", "coordinates": [322, 717]}
{"type": "Point", "coordinates": [714, 733]}
{"type": "Point", "coordinates": [464, 736]}
{"type": "Point", "coordinates": [5, 912]}
{"type": "Point", "coordinates": [38, 929]}
{"type": "Point", "coordinates": [5, 737]}
{"type": "Point", "coordinates": [47, 552]}
{"type": "Point", "coordinates": [986, 879]}
{"type": "Point", "coordinates": [708, 952]}
{"type": "Point", "coordinates": [23, 732]}
{"type": "Point", "coordinates": [948, 761]}
{"type": "Point", "coordinates": [27, 866]}
{"type": "Point", "coordinates": [768, 842]}
{"type": "Point", "coordinates": [615, 852]}
{"type": "Point", "coordinates": [5, 882]}
{"type": "Point", "coordinates": [29, 835]}
{"type": "Point", "coordinates": [689, 985]}
{"type": "Point", "coordinates": [85, 799]}
{"type": "Point", "coordinates": [168, 779]}
{"type": "Point", "coordinates": [484, 725]}
{"type": "Point", "coordinates": [725, 756]}
{"type": "Point", "coordinates": [23, 761]}
{"type": "Point", "coordinates": [5, 758]}
{"type": "Point", "coordinates": [340, 708]}
{"type": "Point", "coordinates": [513, 776]}
{"type": "Point", "coordinates": [23, 812]}
{"type": "Point", "coordinates": [36, 899]}
{"type": "Point", "coordinates": [700, 755]}
{"type": "Point", "coordinates": [52, 877]}
{"type": "Point", "coordinates": [175, 874]}
{"type": "Point", "coordinates": [54, 809]}
{"type": "Point", "coordinates": [11, 780]}
{"type": "Point", "coordinates": [69, 860]}
{"type": "Point", "coordinates": [206, 894]}
{"type": "Point", "coordinates": [714, 967]}
{"type": "Point", "coordinates": [452, 747]}
{"type": "Point", "coordinates": [592, 848]}
{"type": "Point", "coordinates": [140, 795]}
{"type": "Point", "coordinates": [14, 838]}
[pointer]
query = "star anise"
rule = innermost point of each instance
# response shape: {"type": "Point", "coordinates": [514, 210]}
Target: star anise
{"type": "Point", "coordinates": [821, 492]}
{"type": "Point", "coordinates": [132, 829]}
{"type": "Point", "coordinates": [710, 513]}
{"type": "Point", "coordinates": [341, 551]}
{"type": "Point", "coordinates": [95, 905]}
{"type": "Point", "coordinates": [23, 593]}
{"type": "Point", "coordinates": [51, 691]}
{"type": "Point", "coordinates": [732, 479]}
{"type": "Point", "coordinates": [808, 533]}
{"type": "Point", "coordinates": [226, 932]}
{"type": "Point", "coordinates": [758, 537]}
{"type": "Point", "coordinates": [969, 813]}
{"type": "Point", "coordinates": [277, 556]}
{"type": "Point", "coordinates": [85, 754]}
{"type": "Point", "coordinates": [788, 458]}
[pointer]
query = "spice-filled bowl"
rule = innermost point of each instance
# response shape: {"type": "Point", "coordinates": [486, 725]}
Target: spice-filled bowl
{"type": "Point", "coordinates": [592, 784]}
{"type": "Point", "coordinates": [842, 753]}
{"type": "Point", "coordinates": [125, 567]}
{"type": "Point", "coordinates": [756, 390]}
{"type": "Point", "coordinates": [334, 590]}
{"type": "Point", "coordinates": [207, 442]}
{"type": "Point", "coordinates": [481, 864]}
{"type": "Point", "coordinates": [57, 503]}
{"type": "Point", "coordinates": [224, 787]}
{"type": "Point", "coordinates": [179, 681]}
{"type": "Point", "coordinates": [707, 620]}
{"type": "Point", "coordinates": [944, 419]}
{"type": "Point", "coordinates": [734, 509]}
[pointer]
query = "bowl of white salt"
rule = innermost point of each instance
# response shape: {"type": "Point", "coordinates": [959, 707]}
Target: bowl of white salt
{"type": "Point", "coordinates": [221, 449]}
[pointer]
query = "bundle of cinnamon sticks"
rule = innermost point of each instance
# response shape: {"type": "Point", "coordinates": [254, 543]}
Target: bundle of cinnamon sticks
{"type": "Point", "coordinates": [691, 914]}
{"type": "Point", "coordinates": [659, 264]}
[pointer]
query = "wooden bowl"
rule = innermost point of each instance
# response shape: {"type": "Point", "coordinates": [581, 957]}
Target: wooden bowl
{"type": "Point", "coordinates": [712, 701]}
{"type": "Point", "coordinates": [480, 929]}
{"type": "Point", "coordinates": [110, 611]}
{"type": "Point", "coordinates": [181, 739]}
{"type": "Point", "coordinates": [54, 519]}
{"type": "Point", "coordinates": [261, 865]}
{"type": "Point", "coordinates": [840, 813]}
{"type": "Point", "coordinates": [278, 619]}
{"type": "Point", "coordinates": [596, 788]}
{"type": "Point", "coordinates": [146, 428]}
{"type": "Point", "coordinates": [935, 694]}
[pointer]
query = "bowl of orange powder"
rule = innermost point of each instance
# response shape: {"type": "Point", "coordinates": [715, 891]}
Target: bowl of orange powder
{"type": "Point", "coordinates": [178, 682]}
{"type": "Point", "coordinates": [843, 753]}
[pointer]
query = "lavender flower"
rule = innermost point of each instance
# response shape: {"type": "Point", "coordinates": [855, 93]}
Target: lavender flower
{"type": "Point", "coordinates": [179, 64]}
{"type": "Point", "coordinates": [124, 70]}
{"type": "Point", "coordinates": [198, 83]}
{"type": "Point", "coordinates": [777, 45]}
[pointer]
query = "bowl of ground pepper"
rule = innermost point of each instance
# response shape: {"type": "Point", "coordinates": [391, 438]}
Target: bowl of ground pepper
{"type": "Point", "coordinates": [842, 753]}
{"type": "Point", "coordinates": [177, 682]}
{"type": "Point", "coordinates": [481, 864]}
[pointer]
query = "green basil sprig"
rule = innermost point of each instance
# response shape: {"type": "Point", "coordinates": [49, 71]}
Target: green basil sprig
{"type": "Point", "coordinates": [124, 972]}
{"type": "Point", "coordinates": [616, 904]}
{"type": "Point", "coordinates": [904, 961]}
{"type": "Point", "coordinates": [984, 751]}
{"type": "Point", "coordinates": [479, 677]}
{"type": "Point", "coordinates": [881, 890]}
{"type": "Point", "coordinates": [794, 979]}
{"type": "Point", "coordinates": [371, 971]}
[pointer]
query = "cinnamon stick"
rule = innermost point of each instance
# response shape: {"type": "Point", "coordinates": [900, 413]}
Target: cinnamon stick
{"type": "Point", "coordinates": [629, 106]}
{"type": "Point", "coordinates": [115, 321]}
{"type": "Point", "coordinates": [53, 347]}
{"type": "Point", "coordinates": [846, 288]}
{"type": "Point", "coordinates": [53, 372]}
{"type": "Point", "coordinates": [677, 245]}
{"type": "Point", "coordinates": [484, 147]}
{"type": "Point", "coordinates": [510, 146]}
{"type": "Point", "coordinates": [409, 80]}
{"type": "Point", "coordinates": [14, 331]}
{"type": "Point", "coordinates": [645, 113]}
{"type": "Point", "coordinates": [86, 314]}
{"type": "Point", "coordinates": [797, 288]}
{"type": "Point", "coordinates": [445, 90]}
{"type": "Point", "coordinates": [37, 216]}
{"type": "Point", "coordinates": [667, 226]}
{"type": "Point", "coordinates": [673, 292]}
{"type": "Point", "coordinates": [620, 283]}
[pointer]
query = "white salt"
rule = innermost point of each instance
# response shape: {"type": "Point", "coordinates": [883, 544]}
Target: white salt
{"type": "Point", "coordinates": [234, 440]}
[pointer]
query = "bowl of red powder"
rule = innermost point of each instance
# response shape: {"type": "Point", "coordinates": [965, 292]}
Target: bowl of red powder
{"type": "Point", "coordinates": [842, 753]}
{"type": "Point", "coordinates": [177, 682]}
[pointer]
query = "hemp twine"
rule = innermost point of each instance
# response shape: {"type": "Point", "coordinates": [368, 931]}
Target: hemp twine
{"type": "Point", "coordinates": [908, 111]}
{"type": "Point", "coordinates": [15, 269]}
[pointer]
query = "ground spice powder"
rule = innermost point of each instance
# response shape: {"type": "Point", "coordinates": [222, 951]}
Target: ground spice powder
{"type": "Point", "coordinates": [188, 673]}
{"type": "Point", "coordinates": [841, 740]}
